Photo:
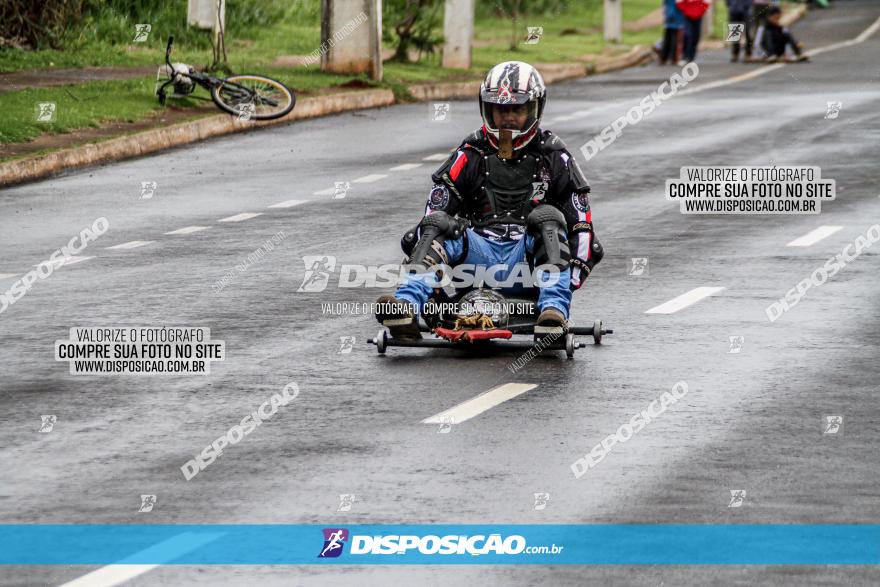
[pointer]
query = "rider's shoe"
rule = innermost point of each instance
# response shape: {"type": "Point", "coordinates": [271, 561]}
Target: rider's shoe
{"type": "Point", "coordinates": [551, 321]}
{"type": "Point", "coordinates": [398, 316]}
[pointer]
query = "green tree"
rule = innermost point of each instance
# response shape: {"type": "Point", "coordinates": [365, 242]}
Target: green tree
{"type": "Point", "coordinates": [516, 10]}
{"type": "Point", "coordinates": [412, 24]}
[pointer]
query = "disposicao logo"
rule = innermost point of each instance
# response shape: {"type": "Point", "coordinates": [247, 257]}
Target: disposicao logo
{"type": "Point", "coordinates": [334, 540]}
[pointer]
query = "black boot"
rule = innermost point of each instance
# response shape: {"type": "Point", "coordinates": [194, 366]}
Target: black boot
{"type": "Point", "coordinates": [398, 316]}
{"type": "Point", "coordinates": [551, 321]}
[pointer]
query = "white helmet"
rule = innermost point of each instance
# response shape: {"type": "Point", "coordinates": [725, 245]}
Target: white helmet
{"type": "Point", "coordinates": [513, 82]}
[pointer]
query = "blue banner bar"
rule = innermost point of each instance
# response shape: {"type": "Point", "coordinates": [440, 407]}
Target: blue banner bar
{"type": "Point", "coordinates": [613, 544]}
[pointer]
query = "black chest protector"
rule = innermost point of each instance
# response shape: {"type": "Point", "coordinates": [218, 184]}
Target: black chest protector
{"type": "Point", "coordinates": [507, 190]}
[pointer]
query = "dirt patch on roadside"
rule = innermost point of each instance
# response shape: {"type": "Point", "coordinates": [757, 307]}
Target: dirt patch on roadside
{"type": "Point", "coordinates": [44, 78]}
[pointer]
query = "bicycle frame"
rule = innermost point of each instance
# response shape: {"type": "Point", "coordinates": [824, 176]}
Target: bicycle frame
{"type": "Point", "coordinates": [208, 82]}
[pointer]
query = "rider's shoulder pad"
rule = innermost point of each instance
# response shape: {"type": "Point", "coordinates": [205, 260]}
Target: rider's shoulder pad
{"type": "Point", "coordinates": [476, 141]}
{"type": "Point", "coordinates": [551, 142]}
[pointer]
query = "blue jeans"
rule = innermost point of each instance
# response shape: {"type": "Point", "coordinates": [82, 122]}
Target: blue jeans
{"type": "Point", "coordinates": [485, 253]}
{"type": "Point", "coordinates": [691, 38]}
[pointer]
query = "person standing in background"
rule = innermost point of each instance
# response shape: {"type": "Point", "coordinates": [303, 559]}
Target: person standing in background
{"type": "Point", "coordinates": [759, 11]}
{"type": "Point", "coordinates": [740, 12]}
{"type": "Point", "coordinates": [693, 11]}
{"type": "Point", "coordinates": [673, 22]}
{"type": "Point", "coordinates": [759, 17]}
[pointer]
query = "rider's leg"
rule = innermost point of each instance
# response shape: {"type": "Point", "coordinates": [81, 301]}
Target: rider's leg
{"type": "Point", "coordinates": [439, 240]}
{"type": "Point", "coordinates": [548, 245]}
{"type": "Point", "coordinates": [474, 251]}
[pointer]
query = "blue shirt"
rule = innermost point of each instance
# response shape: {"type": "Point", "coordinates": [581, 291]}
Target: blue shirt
{"type": "Point", "coordinates": [672, 16]}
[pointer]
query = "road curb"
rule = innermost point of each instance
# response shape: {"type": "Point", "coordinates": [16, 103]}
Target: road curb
{"type": "Point", "coordinates": [636, 56]}
{"type": "Point", "coordinates": [183, 133]}
{"type": "Point", "coordinates": [158, 139]}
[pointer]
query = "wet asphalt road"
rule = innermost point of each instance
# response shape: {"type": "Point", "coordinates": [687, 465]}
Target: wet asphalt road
{"type": "Point", "coordinates": [752, 420]}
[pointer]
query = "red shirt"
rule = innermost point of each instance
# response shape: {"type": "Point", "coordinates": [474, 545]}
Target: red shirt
{"type": "Point", "coordinates": [693, 9]}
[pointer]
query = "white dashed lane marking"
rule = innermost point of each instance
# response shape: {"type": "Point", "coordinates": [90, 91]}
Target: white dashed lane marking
{"type": "Point", "coordinates": [327, 192]}
{"type": "Point", "coordinates": [188, 229]}
{"type": "Point", "coordinates": [241, 217]}
{"type": "Point", "coordinates": [7, 275]}
{"type": "Point", "coordinates": [370, 178]}
{"type": "Point", "coordinates": [573, 115]}
{"type": "Point", "coordinates": [110, 576]}
{"type": "Point", "coordinates": [127, 569]}
{"type": "Point", "coordinates": [288, 203]}
{"type": "Point", "coordinates": [814, 236]}
{"type": "Point", "coordinates": [437, 157]}
{"type": "Point", "coordinates": [406, 167]}
{"type": "Point", "coordinates": [130, 245]}
{"type": "Point", "coordinates": [69, 261]}
{"type": "Point", "coordinates": [481, 403]}
{"type": "Point", "coordinates": [684, 300]}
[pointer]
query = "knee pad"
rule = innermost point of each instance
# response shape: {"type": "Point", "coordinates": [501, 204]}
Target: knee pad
{"type": "Point", "coordinates": [547, 225]}
{"type": "Point", "coordinates": [432, 231]}
{"type": "Point", "coordinates": [543, 214]}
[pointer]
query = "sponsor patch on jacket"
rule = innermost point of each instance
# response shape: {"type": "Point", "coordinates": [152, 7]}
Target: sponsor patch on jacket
{"type": "Point", "coordinates": [580, 202]}
{"type": "Point", "coordinates": [539, 190]}
{"type": "Point", "coordinates": [439, 198]}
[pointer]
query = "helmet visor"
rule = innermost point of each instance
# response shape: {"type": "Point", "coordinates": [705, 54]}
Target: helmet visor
{"type": "Point", "coordinates": [504, 96]}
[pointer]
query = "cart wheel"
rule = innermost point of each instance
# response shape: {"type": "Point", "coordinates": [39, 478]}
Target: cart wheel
{"type": "Point", "coordinates": [597, 332]}
{"type": "Point", "coordinates": [381, 341]}
{"type": "Point", "coordinates": [569, 345]}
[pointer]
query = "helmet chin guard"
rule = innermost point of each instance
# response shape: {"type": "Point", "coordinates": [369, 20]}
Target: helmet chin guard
{"type": "Point", "coordinates": [507, 84]}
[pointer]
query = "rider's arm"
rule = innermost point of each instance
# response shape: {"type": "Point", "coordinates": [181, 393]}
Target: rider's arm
{"type": "Point", "coordinates": [569, 191]}
{"type": "Point", "coordinates": [451, 186]}
{"type": "Point", "coordinates": [453, 181]}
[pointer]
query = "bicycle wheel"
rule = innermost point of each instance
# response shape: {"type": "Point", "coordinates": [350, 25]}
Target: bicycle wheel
{"type": "Point", "coordinates": [253, 96]}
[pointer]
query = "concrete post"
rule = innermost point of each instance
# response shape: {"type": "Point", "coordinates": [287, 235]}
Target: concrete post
{"type": "Point", "coordinates": [204, 14]}
{"type": "Point", "coordinates": [613, 21]}
{"type": "Point", "coordinates": [351, 36]}
{"type": "Point", "coordinates": [458, 29]}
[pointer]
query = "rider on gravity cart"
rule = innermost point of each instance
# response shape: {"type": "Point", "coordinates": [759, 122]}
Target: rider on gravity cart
{"type": "Point", "coordinates": [510, 193]}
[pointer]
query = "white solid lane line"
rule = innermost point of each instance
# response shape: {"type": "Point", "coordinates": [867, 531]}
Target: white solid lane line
{"type": "Point", "coordinates": [370, 178]}
{"type": "Point", "coordinates": [406, 167]}
{"type": "Point", "coordinates": [814, 236]}
{"type": "Point", "coordinates": [868, 32]}
{"type": "Point", "coordinates": [188, 229]}
{"type": "Point", "coordinates": [7, 275]}
{"type": "Point", "coordinates": [864, 36]}
{"type": "Point", "coordinates": [481, 403]}
{"type": "Point", "coordinates": [437, 157]}
{"type": "Point", "coordinates": [768, 68]}
{"type": "Point", "coordinates": [731, 80]}
{"type": "Point", "coordinates": [684, 300]}
{"type": "Point", "coordinates": [163, 552]}
{"type": "Point", "coordinates": [130, 245]}
{"type": "Point", "coordinates": [288, 203]}
{"type": "Point", "coordinates": [241, 217]}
